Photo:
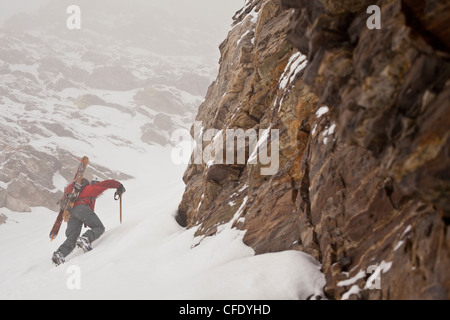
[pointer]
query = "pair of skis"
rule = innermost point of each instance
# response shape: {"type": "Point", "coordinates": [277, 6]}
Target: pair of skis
{"type": "Point", "coordinates": [68, 200]}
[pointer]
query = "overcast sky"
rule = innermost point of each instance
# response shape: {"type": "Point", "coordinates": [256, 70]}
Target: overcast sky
{"type": "Point", "coordinates": [11, 7]}
{"type": "Point", "coordinates": [212, 8]}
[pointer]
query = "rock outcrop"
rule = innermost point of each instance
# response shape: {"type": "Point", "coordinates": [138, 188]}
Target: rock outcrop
{"type": "Point", "coordinates": [363, 120]}
{"type": "Point", "coordinates": [29, 178]}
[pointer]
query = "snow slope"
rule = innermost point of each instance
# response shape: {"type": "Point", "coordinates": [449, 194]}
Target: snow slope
{"type": "Point", "coordinates": [149, 256]}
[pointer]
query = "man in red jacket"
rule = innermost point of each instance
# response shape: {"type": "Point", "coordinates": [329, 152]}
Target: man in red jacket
{"type": "Point", "coordinates": [83, 213]}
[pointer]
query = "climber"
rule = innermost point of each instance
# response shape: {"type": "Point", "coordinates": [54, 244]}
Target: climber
{"type": "Point", "coordinates": [83, 213]}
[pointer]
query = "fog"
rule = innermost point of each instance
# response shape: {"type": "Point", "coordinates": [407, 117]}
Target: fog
{"type": "Point", "coordinates": [214, 10]}
{"type": "Point", "coordinates": [167, 27]}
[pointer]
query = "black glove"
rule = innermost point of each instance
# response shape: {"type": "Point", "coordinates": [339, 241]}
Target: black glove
{"type": "Point", "coordinates": [120, 190]}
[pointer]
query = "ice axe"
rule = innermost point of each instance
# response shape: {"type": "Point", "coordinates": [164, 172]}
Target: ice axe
{"type": "Point", "coordinates": [118, 196]}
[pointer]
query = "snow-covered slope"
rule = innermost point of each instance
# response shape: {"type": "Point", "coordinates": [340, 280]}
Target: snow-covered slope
{"type": "Point", "coordinates": [149, 256]}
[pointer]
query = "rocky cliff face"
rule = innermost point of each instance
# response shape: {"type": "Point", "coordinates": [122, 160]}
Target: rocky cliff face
{"type": "Point", "coordinates": [363, 119]}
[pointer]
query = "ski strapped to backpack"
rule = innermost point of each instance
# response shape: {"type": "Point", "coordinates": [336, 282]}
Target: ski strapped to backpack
{"type": "Point", "coordinates": [68, 200]}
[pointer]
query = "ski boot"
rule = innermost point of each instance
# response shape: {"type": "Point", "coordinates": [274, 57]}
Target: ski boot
{"type": "Point", "coordinates": [57, 258]}
{"type": "Point", "coordinates": [84, 243]}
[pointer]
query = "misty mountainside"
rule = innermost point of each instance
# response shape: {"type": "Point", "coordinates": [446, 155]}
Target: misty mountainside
{"type": "Point", "coordinates": [134, 72]}
{"type": "Point", "coordinates": [358, 205]}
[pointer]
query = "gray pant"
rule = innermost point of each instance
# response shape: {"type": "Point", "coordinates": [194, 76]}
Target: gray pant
{"type": "Point", "coordinates": [80, 215]}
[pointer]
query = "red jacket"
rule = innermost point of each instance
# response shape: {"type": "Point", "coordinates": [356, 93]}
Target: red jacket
{"type": "Point", "coordinates": [89, 194]}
